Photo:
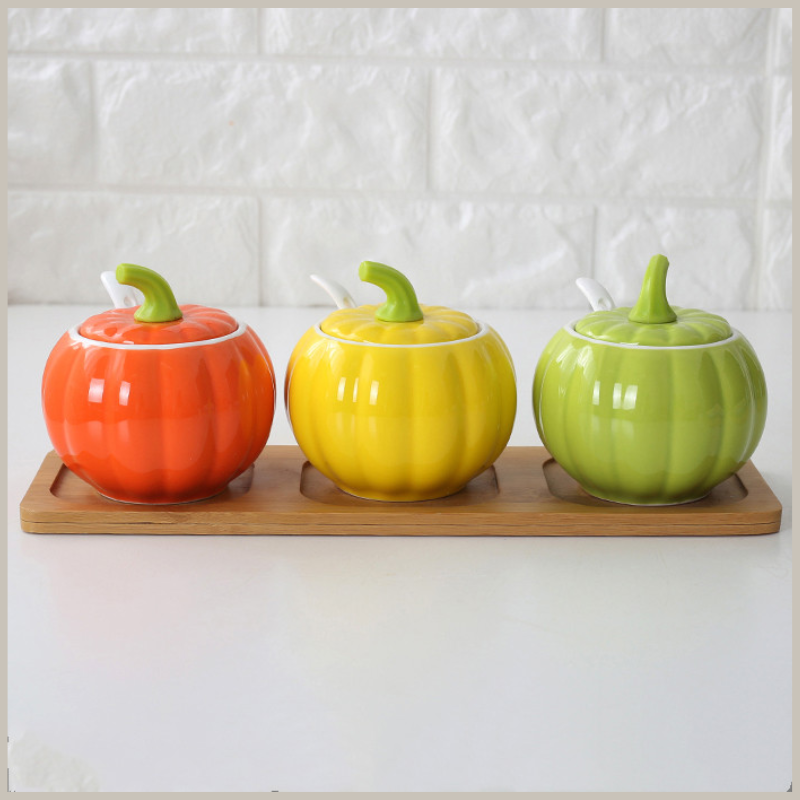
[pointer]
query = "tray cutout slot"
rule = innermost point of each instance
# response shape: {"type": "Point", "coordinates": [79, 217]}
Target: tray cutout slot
{"type": "Point", "coordinates": [315, 486]}
{"type": "Point", "coordinates": [68, 486]}
{"type": "Point", "coordinates": [566, 488]}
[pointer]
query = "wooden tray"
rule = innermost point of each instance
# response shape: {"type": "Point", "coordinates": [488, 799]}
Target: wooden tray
{"type": "Point", "coordinates": [526, 493]}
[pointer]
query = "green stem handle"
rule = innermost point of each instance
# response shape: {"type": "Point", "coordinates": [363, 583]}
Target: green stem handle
{"type": "Point", "coordinates": [159, 301]}
{"type": "Point", "coordinates": [401, 300]}
{"type": "Point", "coordinates": [652, 306]}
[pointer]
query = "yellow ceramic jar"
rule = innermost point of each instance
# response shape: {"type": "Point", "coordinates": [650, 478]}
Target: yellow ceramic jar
{"type": "Point", "coordinates": [400, 402]}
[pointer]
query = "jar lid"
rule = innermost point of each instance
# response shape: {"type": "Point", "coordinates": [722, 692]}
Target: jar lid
{"type": "Point", "coordinates": [400, 320]}
{"type": "Point", "coordinates": [159, 320]}
{"type": "Point", "coordinates": [198, 324]}
{"type": "Point", "coordinates": [652, 322]}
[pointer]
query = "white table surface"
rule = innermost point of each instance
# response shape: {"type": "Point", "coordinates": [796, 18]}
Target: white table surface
{"type": "Point", "coordinates": [229, 663]}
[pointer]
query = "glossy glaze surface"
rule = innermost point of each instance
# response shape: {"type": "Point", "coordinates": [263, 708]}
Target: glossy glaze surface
{"type": "Point", "coordinates": [402, 422]}
{"type": "Point", "coordinates": [692, 326]}
{"type": "Point", "coordinates": [644, 425]}
{"type": "Point", "coordinates": [149, 425]}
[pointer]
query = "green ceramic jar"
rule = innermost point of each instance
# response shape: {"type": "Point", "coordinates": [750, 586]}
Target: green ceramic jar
{"type": "Point", "coordinates": [650, 405]}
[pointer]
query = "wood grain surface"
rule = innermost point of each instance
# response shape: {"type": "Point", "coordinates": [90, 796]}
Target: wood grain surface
{"type": "Point", "coordinates": [526, 493]}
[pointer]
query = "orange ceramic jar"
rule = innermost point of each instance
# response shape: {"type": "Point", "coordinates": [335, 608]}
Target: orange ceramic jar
{"type": "Point", "coordinates": [160, 404]}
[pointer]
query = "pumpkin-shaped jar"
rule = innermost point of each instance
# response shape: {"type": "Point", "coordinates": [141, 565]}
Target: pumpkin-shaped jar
{"type": "Point", "coordinates": [400, 402]}
{"type": "Point", "coordinates": [650, 405]}
{"type": "Point", "coordinates": [160, 403]}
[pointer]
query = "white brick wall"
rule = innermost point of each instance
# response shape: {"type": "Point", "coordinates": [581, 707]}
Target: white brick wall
{"type": "Point", "coordinates": [492, 154]}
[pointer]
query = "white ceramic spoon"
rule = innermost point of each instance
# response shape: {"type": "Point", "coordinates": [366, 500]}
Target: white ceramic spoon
{"type": "Point", "coordinates": [597, 295]}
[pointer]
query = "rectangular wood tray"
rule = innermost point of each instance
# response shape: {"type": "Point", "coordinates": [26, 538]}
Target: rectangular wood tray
{"type": "Point", "coordinates": [526, 493]}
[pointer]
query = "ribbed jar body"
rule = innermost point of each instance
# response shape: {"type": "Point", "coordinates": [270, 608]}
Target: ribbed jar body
{"type": "Point", "coordinates": [159, 424]}
{"type": "Point", "coordinates": [401, 422]}
{"type": "Point", "coordinates": [649, 425]}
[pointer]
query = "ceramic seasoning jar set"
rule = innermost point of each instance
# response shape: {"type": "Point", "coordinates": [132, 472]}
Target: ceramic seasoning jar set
{"type": "Point", "coordinates": [158, 403]}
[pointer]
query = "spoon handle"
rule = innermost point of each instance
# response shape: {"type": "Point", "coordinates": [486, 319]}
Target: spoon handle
{"type": "Point", "coordinates": [337, 292]}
